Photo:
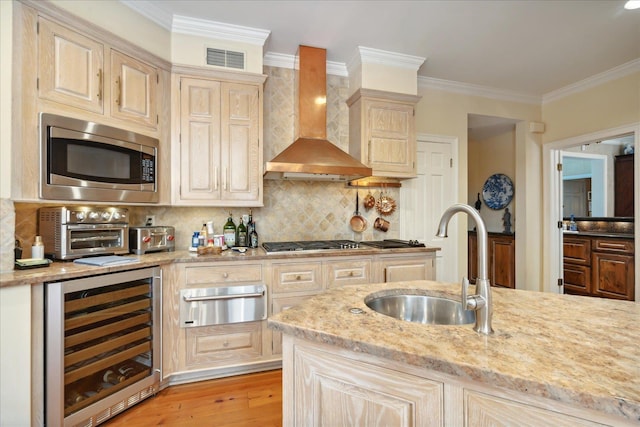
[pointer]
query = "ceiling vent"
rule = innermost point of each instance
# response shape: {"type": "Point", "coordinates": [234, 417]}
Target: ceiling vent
{"type": "Point", "coordinates": [225, 58]}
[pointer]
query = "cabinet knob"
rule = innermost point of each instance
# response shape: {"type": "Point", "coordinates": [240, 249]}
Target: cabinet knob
{"type": "Point", "coordinates": [225, 275]}
{"type": "Point", "coordinates": [225, 344]}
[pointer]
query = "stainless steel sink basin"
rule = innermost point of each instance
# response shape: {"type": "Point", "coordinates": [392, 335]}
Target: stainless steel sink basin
{"type": "Point", "coordinates": [425, 309]}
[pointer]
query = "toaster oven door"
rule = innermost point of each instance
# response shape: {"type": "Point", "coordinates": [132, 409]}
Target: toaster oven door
{"type": "Point", "coordinates": [98, 239]}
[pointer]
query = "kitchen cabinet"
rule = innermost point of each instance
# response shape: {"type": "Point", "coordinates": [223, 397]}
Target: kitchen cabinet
{"type": "Point", "coordinates": [219, 142]}
{"type": "Point", "coordinates": [398, 268]}
{"type": "Point", "coordinates": [220, 347]}
{"type": "Point", "coordinates": [598, 266]}
{"type": "Point", "coordinates": [133, 90]}
{"type": "Point", "coordinates": [382, 132]}
{"type": "Point", "coordinates": [623, 185]}
{"type": "Point", "coordinates": [73, 72]}
{"type": "Point", "coordinates": [327, 385]}
{"type": "Point", "coordinates": [74, 69]}
{"type": "Point", "coordinates": [501, 254]}
{"type": "Point", "coordinates": [71, 67]}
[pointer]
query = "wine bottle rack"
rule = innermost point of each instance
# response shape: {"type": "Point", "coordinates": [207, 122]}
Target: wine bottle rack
{"type": "Point", "coordinates": [105, 329]}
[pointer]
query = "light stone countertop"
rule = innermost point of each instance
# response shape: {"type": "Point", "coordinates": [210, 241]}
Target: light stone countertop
{"type": "Point", "coordinates": [64, 270]}
{"type": "Point", "coordinates": [578, 350]}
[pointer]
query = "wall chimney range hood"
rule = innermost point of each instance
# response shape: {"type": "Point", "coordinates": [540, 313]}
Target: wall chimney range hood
{"type": "Point", "coordinates": [311, 156]}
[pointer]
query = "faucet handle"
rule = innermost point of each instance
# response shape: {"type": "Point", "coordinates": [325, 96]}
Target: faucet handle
{"type": "Point", "coordinates": [465, 291]}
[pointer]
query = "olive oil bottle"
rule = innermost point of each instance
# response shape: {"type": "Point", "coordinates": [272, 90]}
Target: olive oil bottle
{"type": "Point", "coordinates": [229, 231]}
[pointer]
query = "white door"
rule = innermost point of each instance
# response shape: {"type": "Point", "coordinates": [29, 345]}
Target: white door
{"type": "Point", "coordinates": [425, 198]}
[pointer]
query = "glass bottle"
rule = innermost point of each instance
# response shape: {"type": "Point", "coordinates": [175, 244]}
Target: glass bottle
{"type": "Point", "coordinates": [253, 237]}
{"type": "Point", "coordinates": [241, 234]}
{"type": "Point", "coordinates": [229, 231]}
{"type": "Point", "coordinates": [250, 224]}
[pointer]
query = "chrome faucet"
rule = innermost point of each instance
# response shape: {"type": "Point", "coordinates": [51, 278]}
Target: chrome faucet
{"type": "Point", "coordinates": [481, 302]}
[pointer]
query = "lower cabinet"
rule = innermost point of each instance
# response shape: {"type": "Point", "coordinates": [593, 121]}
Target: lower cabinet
{"type": "Point", "coordinates": [406, 268]}
{"type": "Point", "coordinates": [501, 252]}
{"type": "Point", "coordinates": [601, 267]}
{"type": "Point", "coordinates": [328, 386]}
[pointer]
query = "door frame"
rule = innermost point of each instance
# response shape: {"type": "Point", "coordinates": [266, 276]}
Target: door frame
{"type": "Point", "coordinates": [552, 204]}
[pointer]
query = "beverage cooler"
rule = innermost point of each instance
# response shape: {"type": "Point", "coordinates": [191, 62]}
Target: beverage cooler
{"type": "Point", "coordinates": [102, 345]}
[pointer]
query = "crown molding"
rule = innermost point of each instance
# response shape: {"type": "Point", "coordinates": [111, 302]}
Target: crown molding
{"type": "Point", "coordinates": [151, 11]}
{"type": "Point", "coordinates": [477, 90]}
{"type": "Point", "coordinates": [281, 60]}
{"type": "Point", "coordinates": [596, 80]}
{"type": "Point", "coordinates": [367, 55]}
{"type": "Point", "coordinates": [219, 30]}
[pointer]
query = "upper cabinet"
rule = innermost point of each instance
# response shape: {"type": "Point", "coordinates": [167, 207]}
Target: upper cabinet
{"type": "Point", "coordinates": [72, 71]}
{"type": "Point", "coordinates": [220, 141]}
{"type": "Point", "coordinates": [70, 67]}
{"type": "Point", "coordinates": [133, 90]}
{"type": "Point", "coordinates": [382, 132]}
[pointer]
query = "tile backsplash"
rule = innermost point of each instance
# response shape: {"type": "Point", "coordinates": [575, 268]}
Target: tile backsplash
{"type": "Point", "coordinates": [293, 210]}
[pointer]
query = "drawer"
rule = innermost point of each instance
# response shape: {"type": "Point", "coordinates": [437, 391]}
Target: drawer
{"type": "Point", "coordinates": [199, 275]}
{"type": "Point", "coordinates": [577, 279]}
{"type": "Point", "coordinates": [351, 272]}
{"type": "Point", "coordinates": [613, 245]}
{"type": "Point", "coordinates": [576, 250]}
{"type": "Point", "coordinates": [297, 277]}
{"type": "Point", "coordinates": [223, 343]}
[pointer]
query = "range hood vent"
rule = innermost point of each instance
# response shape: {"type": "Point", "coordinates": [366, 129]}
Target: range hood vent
{"type": "Point", "coordinates": [311, 156]}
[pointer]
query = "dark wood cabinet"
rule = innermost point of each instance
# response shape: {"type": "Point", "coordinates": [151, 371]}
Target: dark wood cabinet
{"type": "Point", "coordinates": [623, 183]}
{"type": "Point", "coordinates": [601, 267]}
{"type": "Point", "coordinates": [501, 250]}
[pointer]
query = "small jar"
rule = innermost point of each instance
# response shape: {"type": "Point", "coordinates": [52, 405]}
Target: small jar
{"type": "Point", "coordinates": [37, 250]}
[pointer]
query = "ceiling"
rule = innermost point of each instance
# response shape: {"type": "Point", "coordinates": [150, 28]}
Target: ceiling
{"type": "Point", "coordinates": [524, 47]}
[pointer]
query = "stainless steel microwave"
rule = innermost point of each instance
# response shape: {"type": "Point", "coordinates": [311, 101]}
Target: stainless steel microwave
{"type": "Point", "coordinates": [83, 160]}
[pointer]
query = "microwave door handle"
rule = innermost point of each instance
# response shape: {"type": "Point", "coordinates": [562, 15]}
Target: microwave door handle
{"type": "Point", "coordinates": [188, 298]}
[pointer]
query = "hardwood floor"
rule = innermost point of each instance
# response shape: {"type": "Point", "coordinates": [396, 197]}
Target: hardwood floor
{"type": "Point", "coordinates": [240, 401]}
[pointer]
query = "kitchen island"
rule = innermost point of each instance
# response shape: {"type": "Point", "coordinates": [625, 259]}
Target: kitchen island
{"type": "Point", "coordinates": [553, 360]}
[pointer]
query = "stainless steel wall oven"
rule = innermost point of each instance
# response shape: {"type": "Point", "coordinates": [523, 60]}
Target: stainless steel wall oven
{"type": "Point", "coordinates": [102, 345]}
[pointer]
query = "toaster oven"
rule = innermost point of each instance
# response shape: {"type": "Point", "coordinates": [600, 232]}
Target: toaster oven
{"type": "Point", "coordinates": [151, 239]}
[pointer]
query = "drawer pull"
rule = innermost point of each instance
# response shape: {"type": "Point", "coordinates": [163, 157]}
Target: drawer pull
{"type": "Point", "coordinates": [188, 298]}
{"type": "Point", "coordinates": [351, 274]}
{"type": "Point", "coordinates": [612, 246]}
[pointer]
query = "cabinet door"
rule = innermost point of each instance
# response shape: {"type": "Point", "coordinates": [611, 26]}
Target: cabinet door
{"type": "Point", "coordinates": [281, 304]}
{"type": "Point", "coordinates": [70, 67]}
{"type": "Point", "coordinates": [200, 140]}
{"type": "Point", "coordinates": [486, 410]}
{"type": "Point", "coordinates": [503, 262]}
{"type": "Point", "coordinates": [331, 390]}
{"type": "Point", "coordinates": [391, 146]}
{"type": "Point", "coordinates": [613, 275]}
{"type": "Point", "coordinates": [472, 255]}
{"type": "Point", "coordinates": [577, 279]}
{"type": "Point", "coordinates": [241, 160]}
{"type": "Point", "coordinates": [624, 185]}
{"type": "Point", "coordinates": [133, 90]}
{"type": "Point", "coordinates": [407, 268]}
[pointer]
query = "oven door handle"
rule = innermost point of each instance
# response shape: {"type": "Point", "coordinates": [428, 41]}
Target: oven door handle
{"type": "Point", "coordinates": [188, 298]}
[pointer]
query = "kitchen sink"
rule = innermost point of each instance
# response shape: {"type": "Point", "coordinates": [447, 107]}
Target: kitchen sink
{"type": "Point", "coordinates": [424, 309]}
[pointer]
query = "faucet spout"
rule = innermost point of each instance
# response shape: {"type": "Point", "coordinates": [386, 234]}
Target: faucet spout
{"type": "Point", "coordinates": [482, 301]}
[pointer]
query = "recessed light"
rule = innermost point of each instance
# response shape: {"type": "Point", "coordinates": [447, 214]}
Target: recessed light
{"type": "Point", "coordinates": [632, 4]}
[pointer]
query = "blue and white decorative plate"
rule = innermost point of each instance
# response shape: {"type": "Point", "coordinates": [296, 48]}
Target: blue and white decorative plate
{"type": "Point", "coordinates": [497, 191]}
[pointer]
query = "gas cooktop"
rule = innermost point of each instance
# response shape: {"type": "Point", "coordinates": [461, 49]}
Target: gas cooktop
{"type": "Point", "coordinates": [315, 245]}
{"type": "Point", "coordinates": [309, 245]}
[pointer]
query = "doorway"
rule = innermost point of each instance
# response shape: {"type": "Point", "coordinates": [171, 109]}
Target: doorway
{"type": "Point", "coordinates": [553, 198]}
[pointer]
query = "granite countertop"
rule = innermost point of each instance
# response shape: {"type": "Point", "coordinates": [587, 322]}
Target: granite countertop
{"type": "Point", "coordinates": [63, 270]}
{"type": "Point", "coordinates": [608, 235]}
{"type": "Point", "coordinates": [578, 350]}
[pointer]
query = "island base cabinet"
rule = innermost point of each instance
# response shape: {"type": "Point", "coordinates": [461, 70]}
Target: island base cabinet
{"type": "Point", "coordinates": [326, 385]}
{"type": "Point", "coordinates": [331, 390]}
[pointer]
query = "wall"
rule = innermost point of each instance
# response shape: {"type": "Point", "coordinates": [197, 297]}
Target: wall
{"type": "Point", "coordinates": [445, 113]}
{"type": "Point", "coordinates": [492, 155]}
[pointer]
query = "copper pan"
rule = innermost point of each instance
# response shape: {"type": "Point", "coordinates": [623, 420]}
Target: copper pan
{"type": "Point", "coordinates": [358, 222]}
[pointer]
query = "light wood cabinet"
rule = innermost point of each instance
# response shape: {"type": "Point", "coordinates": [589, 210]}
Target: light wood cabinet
{"type": "Point", "coordinates": [220, 143]}
{"type": "Point", "coordinates": [216, 348]}
{"type": "Point", "coordinates": [327, 385]}
{"type": "Point", "coordinates": [501, 254]}
{"type": "Point", "coordinates": [133, 90]}
{"type": "Point", "coordinates": [382, 132]}
{"type": "Point", "coordinates": [73, 71]}
{"type": "Point", "coordinates": [349, 272]}
{"type": "Point", "coordinates": [333, 390]}
{"type": "Point", "coordinates": [399, 268]}
{"type": "Point", "coordinates": [70, 66]}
